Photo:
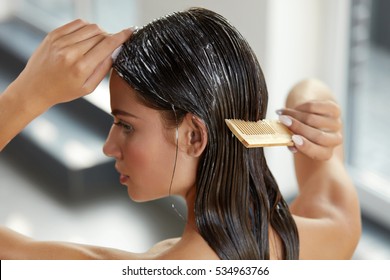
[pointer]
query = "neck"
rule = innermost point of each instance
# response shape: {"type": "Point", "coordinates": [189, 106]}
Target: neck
{"type": "Point", "coordinates": [191, 245]}
{"type": "Point", "coordinates": [190, 227]}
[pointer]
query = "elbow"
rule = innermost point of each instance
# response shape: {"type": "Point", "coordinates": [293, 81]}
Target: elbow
{"type": "Point", "coordinates": [306, 90]}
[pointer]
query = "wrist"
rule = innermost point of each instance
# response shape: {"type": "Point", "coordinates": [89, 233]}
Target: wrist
{"type": "Point", "coordinates": [26, 99]}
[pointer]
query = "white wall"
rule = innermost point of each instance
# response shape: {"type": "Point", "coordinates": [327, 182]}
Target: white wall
{"type": "Point", "coordinates": [293, 39]}
{"type": "Point", "coordinates": [245, 15]}
{"type": "Point", "coordinates": [293, 49]}
{"type": "Point", "coordinates": [304, 38]}
{"type": "Point", "coordinates": [4, 9]}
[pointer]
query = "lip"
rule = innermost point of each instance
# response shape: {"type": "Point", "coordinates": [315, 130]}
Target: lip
{"type": "Point", "coordinates": [123, 179]}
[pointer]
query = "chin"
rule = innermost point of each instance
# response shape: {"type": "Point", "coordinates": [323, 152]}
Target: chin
{"type": "Point", "coordinates": [140, 197]}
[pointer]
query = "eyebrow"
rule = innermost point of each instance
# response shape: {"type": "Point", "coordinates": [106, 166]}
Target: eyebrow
{"type": "Point", "coordinates": [117, 112]}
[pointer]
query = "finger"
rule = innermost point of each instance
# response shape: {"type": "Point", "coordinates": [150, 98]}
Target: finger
{"type": "Point", "coordinates": [292, 149]}
{"type": "Point", "coordinates": [85, 46]}
{"type": "Point", "coordinates": [97, 61]}
{"type": "Point", "coordinates": [98, 75]}
{"type": "Point", "coordinates": [84, 33]}
{"type": "Point", "coordinates": [67, 28]}
{"type": "Point", "coordinates": [322, 122]}
{"type": "Point", "coordinates": [310, 149]}
{"type": "Point", "coordinates": [317, 136]}
{"type": "Point", "coordinates": [104, 49]}
{"type": "Point", "coordinates": [320, 107]}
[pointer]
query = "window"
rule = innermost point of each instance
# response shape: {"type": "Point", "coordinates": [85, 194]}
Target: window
{"type": "Point", "coordinates": [369, 98]}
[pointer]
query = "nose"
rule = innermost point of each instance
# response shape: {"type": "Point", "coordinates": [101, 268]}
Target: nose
{"type": "Point", "coordinates": [111, 147]}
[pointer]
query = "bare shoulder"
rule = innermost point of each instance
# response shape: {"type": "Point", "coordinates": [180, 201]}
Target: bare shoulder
{"type": "Point", "coordinates": [189, 247]}
{"type": "Point", "coordinates": [163, 246]}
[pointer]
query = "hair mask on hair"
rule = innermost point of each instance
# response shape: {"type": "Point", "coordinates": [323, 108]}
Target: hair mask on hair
{"type": "Point", "coordinates": [198, 63]}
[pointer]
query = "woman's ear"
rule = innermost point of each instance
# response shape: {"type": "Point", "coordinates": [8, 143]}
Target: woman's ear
{"type": "Point", "coordinates": [195, 135]}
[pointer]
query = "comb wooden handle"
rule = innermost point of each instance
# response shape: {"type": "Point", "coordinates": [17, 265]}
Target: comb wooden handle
{"type": "Point", "coordinates": [263, 133]}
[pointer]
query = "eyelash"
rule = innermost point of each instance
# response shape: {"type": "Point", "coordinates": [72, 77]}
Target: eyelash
{"type": "Point", "coordinates": [126, 127]}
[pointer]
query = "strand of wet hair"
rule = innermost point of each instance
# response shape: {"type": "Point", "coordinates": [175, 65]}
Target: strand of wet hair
{"type": "Point", "coordinates": [174, 164]}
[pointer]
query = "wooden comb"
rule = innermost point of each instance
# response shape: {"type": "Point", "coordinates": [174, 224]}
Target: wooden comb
{"type": "Point", "coordinates": [263, 133]}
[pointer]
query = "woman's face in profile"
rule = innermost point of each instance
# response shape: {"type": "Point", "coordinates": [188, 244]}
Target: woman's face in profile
{"type": "Point", "coordinates": [143, 148]}
{"type": "Point", "coordinates": [138, 143]}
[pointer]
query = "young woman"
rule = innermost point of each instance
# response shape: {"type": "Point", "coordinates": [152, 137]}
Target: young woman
{"type": "Point", "coordinates": [172, 86]}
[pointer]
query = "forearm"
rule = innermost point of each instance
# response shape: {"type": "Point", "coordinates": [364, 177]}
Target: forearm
{"type": "Point", "coordinates": [15, 246]}
{"type": "Point", "coordinates": [312, 173]}
{"type": "Point", "coordinates": [325, 191]}
{"type": "Point", "coordinates": [16, 111]}
{"type": "Point", "coordinates": [325, 188]}
{"type": "Point", "coordinates": [306, 166]}
{"type": "Point", "coordinates": [10, 243]}
{"type": "Point", "coordinates": [58, 71]}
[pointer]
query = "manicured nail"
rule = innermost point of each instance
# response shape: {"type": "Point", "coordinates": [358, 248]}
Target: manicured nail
{"type": "Point", "coordinates": [279, 112]}
{"type": "Point", "coordinates": [285, 120]}
{"type": "Point", "coordinates": [292, 149]}
{"type": "Point", "coordinates": [134, 29]}
{"type": "Point", "coordinates": [115, 53]}
{"type": "Point", "coordinates": [298, 140]}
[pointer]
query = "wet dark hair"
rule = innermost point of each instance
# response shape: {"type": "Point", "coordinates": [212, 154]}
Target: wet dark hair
{"type": "Point", "coordinates": [196, 61]}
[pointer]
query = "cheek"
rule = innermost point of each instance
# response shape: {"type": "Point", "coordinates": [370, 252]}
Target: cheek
{"type": "Point", "coordinates": [150, 153]}
{"type": "Point", "coordinates": [150, 163]}
{"type": "Point", "coordinates": [136, 156]}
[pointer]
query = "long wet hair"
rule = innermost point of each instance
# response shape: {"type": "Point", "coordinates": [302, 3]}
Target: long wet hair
{"type": "Point", "coordinates": [197, 62]}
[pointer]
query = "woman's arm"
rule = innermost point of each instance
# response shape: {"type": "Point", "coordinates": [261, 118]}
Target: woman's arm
{"type": "Point", "coordinates": [70, 62]}
{"type": "Point", "coordinates": [15, 246]}
{"type": "Point", "coordinates": [326, 209]}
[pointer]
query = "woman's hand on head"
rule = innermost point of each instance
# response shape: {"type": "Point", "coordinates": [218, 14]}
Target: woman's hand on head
{"type": "Point", "coordinates": [70, 62]}
{"type": "Point", "coordinates": [316, 126]}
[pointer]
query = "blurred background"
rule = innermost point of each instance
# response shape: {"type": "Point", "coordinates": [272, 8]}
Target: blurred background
{"type": "Point", "coordinates": [56, 184]}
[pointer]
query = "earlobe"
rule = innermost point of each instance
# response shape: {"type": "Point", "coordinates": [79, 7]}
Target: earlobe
{"type": "Point", "coordinates": [196, 135]}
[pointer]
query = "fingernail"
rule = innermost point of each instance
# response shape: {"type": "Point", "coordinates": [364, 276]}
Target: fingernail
{"type": "Point", "coordinates": [285, 120]}
{"type": "Point", "coordinates": [279, 112]}
{"type": "Point", "coordinates": [134, 29]}
{"type": "Point", "coordinates": [115, 53]}
{"type": "Point", "coordinates": [298, 140]}
{"type": "Point", "coordinates": [292, 149]}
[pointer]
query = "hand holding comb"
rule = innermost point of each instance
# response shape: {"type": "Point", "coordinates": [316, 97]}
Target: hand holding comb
{"type": "Point", "coordinates": [263, 133]}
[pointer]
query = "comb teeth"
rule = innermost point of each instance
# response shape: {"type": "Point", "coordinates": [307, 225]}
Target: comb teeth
{"type": "Point", "coordinates": [254, 128]}
{"type": "Point", "coordinates": [263, 133]}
